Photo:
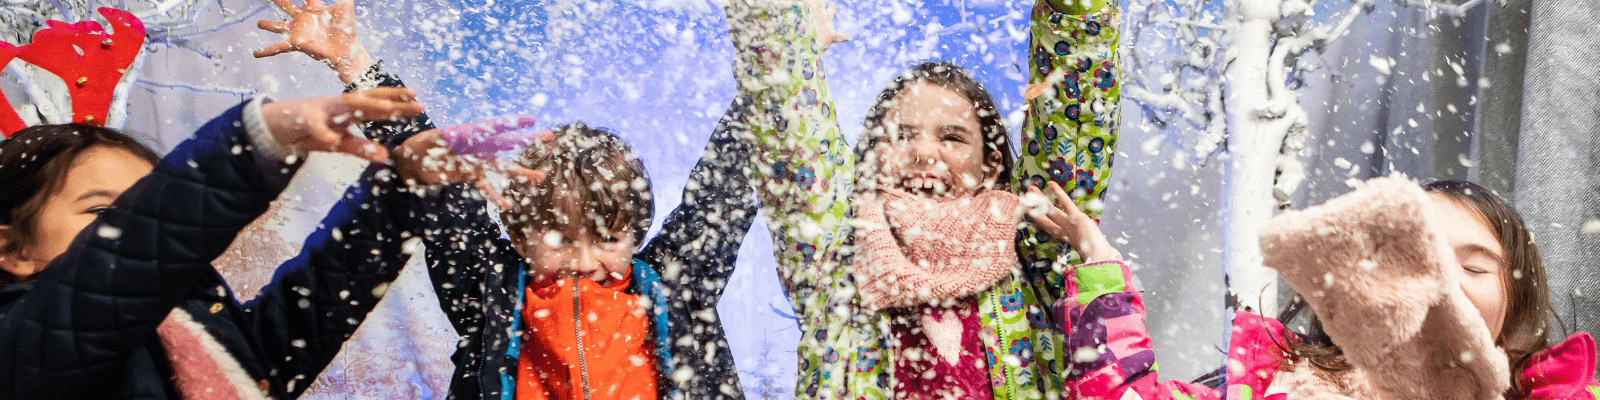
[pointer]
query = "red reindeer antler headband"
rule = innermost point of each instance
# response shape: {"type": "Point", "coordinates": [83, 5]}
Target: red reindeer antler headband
{"type": "Point", "coordinates": [90, 61]}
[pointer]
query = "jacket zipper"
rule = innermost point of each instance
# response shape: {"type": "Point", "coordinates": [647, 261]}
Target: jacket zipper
{"type": "Point", "coordinates": [577, 325]}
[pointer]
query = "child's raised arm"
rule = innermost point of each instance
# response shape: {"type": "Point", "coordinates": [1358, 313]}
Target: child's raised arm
{"type": "Point", "coordinates": [802, 167]}
{"type": "Point", "coordinates": [1070, 134]}
{"type": "Point", "coordinates": [804, 175]}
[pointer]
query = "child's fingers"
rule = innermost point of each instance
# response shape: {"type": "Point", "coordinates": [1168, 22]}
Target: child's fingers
{"type": "Point", "coordinates": [287, 7]}
{"type": "Point", "coordinates": [1064, 201]}
{"type": "Point", "coordinates": [361, 147]}
{"type": "Point", "coordinates": [522, 174]}
{"type": "Point", "coordinates": [313, 3]}
{"type": "Point", "coordinates": [278, 27]}
{"type": "Point", "coordinates": [274, 49]}
{"type": "Point", "coordinates": [382, 104]}
{"type": "Point", "coordinates": [1049, 226]}
{"type": "Point", "coordinates": [493, 194]}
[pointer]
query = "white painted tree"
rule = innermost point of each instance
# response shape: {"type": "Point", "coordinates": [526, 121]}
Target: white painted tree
{"type": "Point", "coordinates": [1232, 75]}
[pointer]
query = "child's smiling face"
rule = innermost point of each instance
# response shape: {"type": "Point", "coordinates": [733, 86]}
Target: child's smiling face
{"type": "Point", "coordinates": [934, 144]}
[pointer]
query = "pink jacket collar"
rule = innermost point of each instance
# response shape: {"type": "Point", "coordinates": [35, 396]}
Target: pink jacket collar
{"type": "Point", "coordinates": [1561, 372]}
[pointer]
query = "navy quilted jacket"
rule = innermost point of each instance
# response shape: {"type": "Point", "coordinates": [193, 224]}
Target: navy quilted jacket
{"type": "Point", "coordinates": [84, 327]}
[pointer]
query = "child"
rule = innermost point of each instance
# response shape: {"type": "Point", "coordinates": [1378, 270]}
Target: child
{"type": "Point", "coordinates": [567, 308]}
{"type": "Point", "coordinates": [481, 280]}
{"type": "Point", "coordinates": [1418, 292]}
{"type": "Point", "coordinates": [930, 301]}
{"type": "Point", "coordinates": [110, 292]}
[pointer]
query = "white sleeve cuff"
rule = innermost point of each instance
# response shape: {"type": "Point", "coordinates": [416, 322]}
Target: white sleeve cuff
{"type": "Point", "coordinates": [262, 143]}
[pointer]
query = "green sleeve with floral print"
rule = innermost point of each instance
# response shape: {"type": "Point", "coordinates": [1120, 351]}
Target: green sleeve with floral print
{"type": "Point", "coordinates": [1069, 135]}
{"type": "Point", "coordinates": [804, 172]}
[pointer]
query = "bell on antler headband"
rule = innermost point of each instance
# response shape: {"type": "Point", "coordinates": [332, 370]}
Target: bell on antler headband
{"type": "Point", "coordinates": [87, 58]}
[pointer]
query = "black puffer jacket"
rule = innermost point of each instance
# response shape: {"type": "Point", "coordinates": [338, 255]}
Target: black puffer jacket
{"type": "Point", "coordinates": [85, 326]}
{"type": "Point", "coordinates": [475, 269]}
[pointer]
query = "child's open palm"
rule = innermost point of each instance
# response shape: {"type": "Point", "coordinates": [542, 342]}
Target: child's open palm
{"type": "Point", "coordinates": [327, 33]}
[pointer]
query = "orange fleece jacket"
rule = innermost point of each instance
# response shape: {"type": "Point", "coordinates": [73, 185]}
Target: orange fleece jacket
{"type": "Point", "coordinates": [596, 340]}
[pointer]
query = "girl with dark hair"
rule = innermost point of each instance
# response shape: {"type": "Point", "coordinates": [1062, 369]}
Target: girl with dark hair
{"type": "Point", "coordinates": [1417, 292]}
{"type": "Point", "coordinates": [55, 179]}
{"type": "Point", "coordinates": [107, 254]}
{"type": "Point", "coordinates": [906, 270]}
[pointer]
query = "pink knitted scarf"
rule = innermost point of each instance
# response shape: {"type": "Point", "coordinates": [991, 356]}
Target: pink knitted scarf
{"type": "Point", "coordinates": [911, 251]}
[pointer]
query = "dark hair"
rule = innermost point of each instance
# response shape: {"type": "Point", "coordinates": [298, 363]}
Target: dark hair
{"type": "Point", "coordinates": [1525, 329]}
{"type": "Point", "coordinates": [956, 79]}
{"type": "Point", "coordinates": [33, 165]}
{"type": "Point", "coordinates": [590, 174]}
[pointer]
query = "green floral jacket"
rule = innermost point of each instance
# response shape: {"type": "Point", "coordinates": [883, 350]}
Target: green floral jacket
{"type": "Point", "coordinates": [805, 172]}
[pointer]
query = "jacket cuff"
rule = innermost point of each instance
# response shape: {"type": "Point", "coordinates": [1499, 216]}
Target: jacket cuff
{"type": "Point", "coordinates": [266, 148]}
{"type": "Point", "coordinates": [374, 77]}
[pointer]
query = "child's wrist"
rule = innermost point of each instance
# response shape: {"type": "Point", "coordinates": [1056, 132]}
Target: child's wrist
{"type": "Point", "coordinates": [352, 66]}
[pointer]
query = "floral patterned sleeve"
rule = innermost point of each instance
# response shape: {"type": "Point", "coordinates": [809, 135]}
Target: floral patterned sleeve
{"type": "Point", "coordinates": [1069, 136]}
{"type": "Point", "coordinates": [804, 172]}
{"type": "Point", "coordinates": [1070, 133]}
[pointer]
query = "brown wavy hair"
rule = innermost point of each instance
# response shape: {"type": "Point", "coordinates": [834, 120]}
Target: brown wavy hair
{"type": "Point", "coordinates": [33, 165]}
{"type": "Point", "coordinates": [1526, 329]}
{"type": "Point", "coordinates": [592, 177]}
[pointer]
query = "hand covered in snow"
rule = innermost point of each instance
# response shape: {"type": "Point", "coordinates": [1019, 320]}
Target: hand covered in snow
{"type": "Point", "coordinates": [822, 15]}
{"type": "Point", "coordinates": [323, 123]}
{"type": "Point", "coordinates": [1065, 221]}
{"type": "Point", "coordinates": [465, 153]}
{"type": "Point", "coordinates": [326, 33]}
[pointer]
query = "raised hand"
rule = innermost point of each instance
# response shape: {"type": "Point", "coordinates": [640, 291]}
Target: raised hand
{"type": "Point", "coordinates": [465, 153]}
{"type": "Point", "coordinates": [822, 15]}
{"type": "Point", "coordinates": [323, 123]}
{"type": "Point", "coordinates": [1065, 221]}
{"type": "Point", "coordinates": [326, 33]}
